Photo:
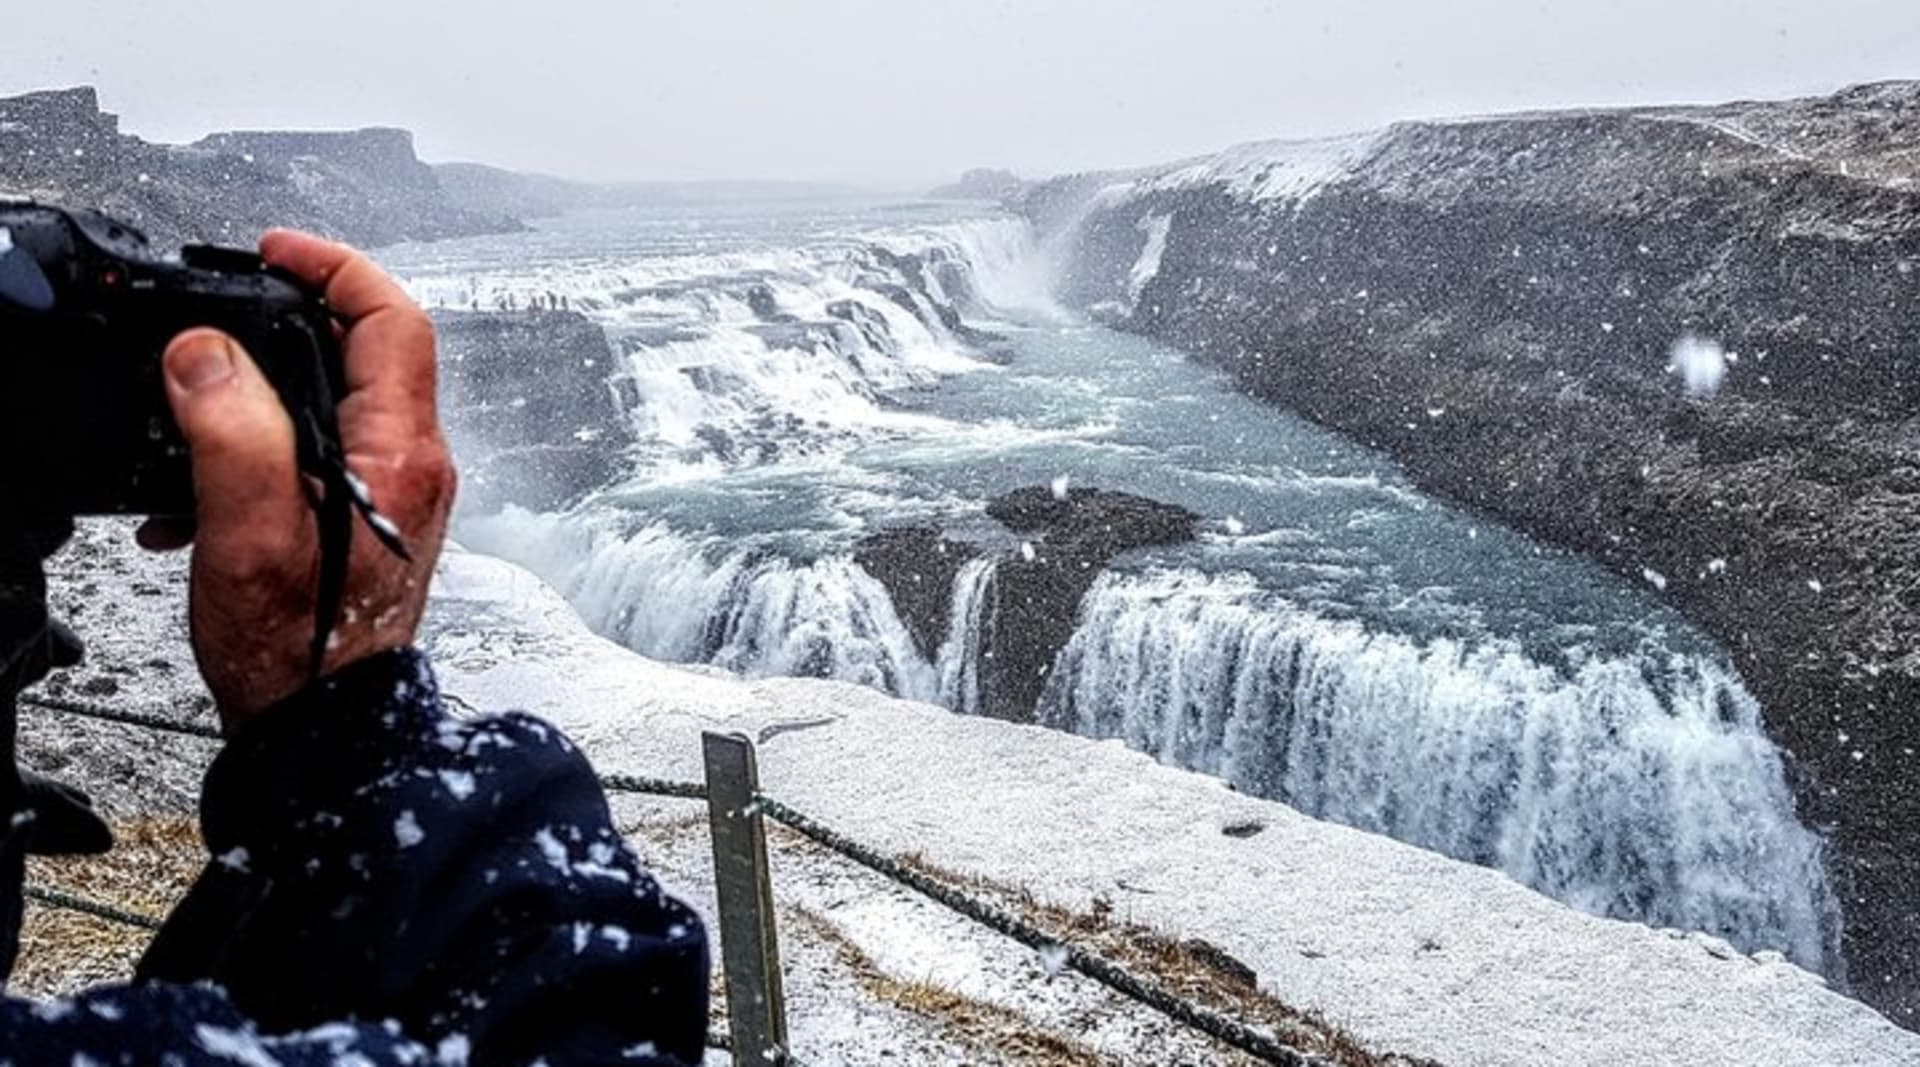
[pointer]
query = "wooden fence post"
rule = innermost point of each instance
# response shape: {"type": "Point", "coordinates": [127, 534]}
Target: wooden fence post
{"type": "Point", "coordinates": [749, 944]}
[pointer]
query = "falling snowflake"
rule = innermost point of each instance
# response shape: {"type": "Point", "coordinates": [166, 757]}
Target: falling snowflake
{"type": "Point", "coordinates": [1060, 488]}
{"type": "Point", "coordinates": [1701, 365]}
{"type": "Point", "coordinates": [406, 830]}
{"type": "Point", "coordinates": [459, 784]}
{"type": "Point", "coordinates": [1053, 959]}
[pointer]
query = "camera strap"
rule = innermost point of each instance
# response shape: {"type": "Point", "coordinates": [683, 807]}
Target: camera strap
{"type": "Point", "coordinates": [335, 494]}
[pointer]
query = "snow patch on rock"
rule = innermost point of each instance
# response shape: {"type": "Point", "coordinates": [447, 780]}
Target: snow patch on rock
{"type": "Point", "coordinates": [1148, 265]}
{"type": "Point", "coordinates": [1274, 170]}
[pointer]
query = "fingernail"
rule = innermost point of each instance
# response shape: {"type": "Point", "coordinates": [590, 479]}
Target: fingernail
{"type": "Point", "coordinates": [201, 362]}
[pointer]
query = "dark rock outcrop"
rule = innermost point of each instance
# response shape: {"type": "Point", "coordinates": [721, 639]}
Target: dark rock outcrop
{"type": "Point", "coordinates": [362, 186]}
{"type": "Point", "coordinates": [1493, 302]}
{"type": "Point", "coordinates": [918, 566]}
{"type": "Point", "coordinates": [532, 407]}
{"type": "Point", "coordinates": [1037, 595]}
{"type": "Point", "coordinates": [1034, 597]}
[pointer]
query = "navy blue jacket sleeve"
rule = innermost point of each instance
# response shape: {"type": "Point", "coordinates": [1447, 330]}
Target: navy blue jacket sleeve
{"type": "Point", "coordinates": [389, 883]}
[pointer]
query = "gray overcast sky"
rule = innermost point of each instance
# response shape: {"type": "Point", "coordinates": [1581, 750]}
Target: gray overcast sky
{"type": "Point", "coordinates": [904, 90]}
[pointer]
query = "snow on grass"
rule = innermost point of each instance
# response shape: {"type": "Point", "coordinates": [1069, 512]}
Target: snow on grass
{"type": "Point", "coordinates": [1411, 952]}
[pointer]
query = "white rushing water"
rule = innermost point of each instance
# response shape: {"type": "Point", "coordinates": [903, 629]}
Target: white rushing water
{"type": "Point", "coordinates": [700, 600]}
{"type": "Point", "coordinates": [970, 632]}
{"type": "Point", "coordinates": [797, 378]}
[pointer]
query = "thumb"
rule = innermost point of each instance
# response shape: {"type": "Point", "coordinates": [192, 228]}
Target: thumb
{"type": "Point", "coordinates": [241, 440]}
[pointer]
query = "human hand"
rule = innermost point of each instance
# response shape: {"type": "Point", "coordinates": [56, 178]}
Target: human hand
{"type": "Point", "coordinates": [256, 556]}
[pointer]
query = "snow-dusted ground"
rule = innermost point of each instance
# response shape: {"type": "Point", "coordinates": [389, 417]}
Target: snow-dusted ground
{"type": "Point", "coordinates": [860, 953]}
{"type": "Point", "coordinates": [1412, 952]}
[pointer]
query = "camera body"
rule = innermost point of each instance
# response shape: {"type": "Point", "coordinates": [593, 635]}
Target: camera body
{"type": "Point", "coordinates": [87, 307]}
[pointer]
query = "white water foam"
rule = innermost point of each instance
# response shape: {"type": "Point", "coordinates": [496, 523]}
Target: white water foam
{"type": "Point", "coordinates": [1643, 788]}
{"type": "Point", "coordinates": [1008, 275]}
{"type": "Point", "coordinates": [750, 357]}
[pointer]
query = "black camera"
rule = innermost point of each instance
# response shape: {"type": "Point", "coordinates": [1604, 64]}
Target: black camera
{"type": "Point", "coordinates": [87, 306]}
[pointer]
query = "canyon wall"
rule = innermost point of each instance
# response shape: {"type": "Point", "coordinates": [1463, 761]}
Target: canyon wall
{"type": "Point", "coordinates": [362, 186]}
{"type": "Point", "coordinates": [1684, 341]}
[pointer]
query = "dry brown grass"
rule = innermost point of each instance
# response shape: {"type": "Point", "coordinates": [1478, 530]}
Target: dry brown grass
{"type": "Point", "coordinates": [1192, 969]}
{"type": "Point", "coordinates": [664, 827]}
{"type": "Point", "coordinates": [150, 867]}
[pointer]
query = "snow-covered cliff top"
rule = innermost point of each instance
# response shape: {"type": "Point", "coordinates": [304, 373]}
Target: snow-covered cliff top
{"type": "Point", "coordinates": [1411, 952]}
{"type": "Point", "coordinates": [1597, 157]}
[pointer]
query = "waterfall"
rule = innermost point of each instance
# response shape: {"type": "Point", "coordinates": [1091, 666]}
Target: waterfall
{"type": "Point", "coordinates": [969, 636]}
{"type": "Point", "coordinates": [693, 599]}
{"type": "Point", "coordinates": [752, 357]}
{"type": "Point", "coordinates": [1640, 788]}
{"type": "Point", "coordinates": [1000, 272]}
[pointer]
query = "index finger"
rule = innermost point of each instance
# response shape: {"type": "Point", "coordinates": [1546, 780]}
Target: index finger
{"type": "Point", "coordinates": [390, 340]}
{"type": "Point", "coordinates": [353, 285]}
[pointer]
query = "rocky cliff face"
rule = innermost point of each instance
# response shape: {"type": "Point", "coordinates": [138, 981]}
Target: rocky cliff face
{"type": "Point", "coordinates": [533, 405]}
{"type": "Point", "coordinates": [1501, 303]}
{"type": "Point", "coordinates": [362, 186]}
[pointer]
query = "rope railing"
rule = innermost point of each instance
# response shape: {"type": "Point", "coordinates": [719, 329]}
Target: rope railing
{"type": "Point", "coordinates": [654, 787]}
{"type": "Point", "coordinates": [55, 898]}
{"type": "Point", "coordinates": [1220, 1027]}
{"type": "Point", "coordinates": [129, 718]}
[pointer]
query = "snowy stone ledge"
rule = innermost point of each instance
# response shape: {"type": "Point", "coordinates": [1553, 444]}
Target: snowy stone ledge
{"type": "Point", "coordinates": [1411, 952]}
